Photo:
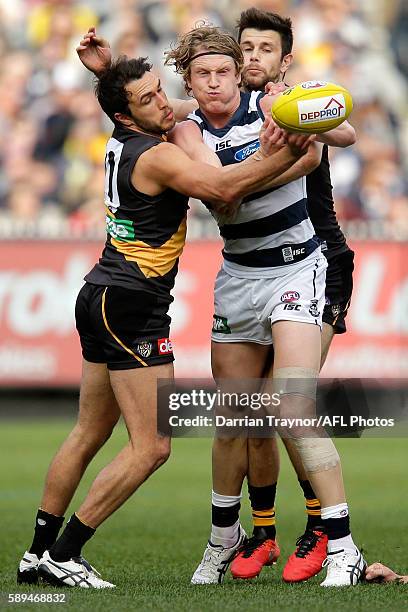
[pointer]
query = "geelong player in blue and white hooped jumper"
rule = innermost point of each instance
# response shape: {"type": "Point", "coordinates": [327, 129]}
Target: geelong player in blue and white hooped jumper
{"type": "Point", "coordinates": [270, 289]}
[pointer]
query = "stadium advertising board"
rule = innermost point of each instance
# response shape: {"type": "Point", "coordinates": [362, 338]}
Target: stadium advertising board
{"type": "Point", "coordinates": [39, 282]}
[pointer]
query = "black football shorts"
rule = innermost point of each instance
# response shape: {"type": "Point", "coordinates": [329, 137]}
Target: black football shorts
{"type": "Point", "coordinates": [123, 328]}
{"type": "Point", "coordinates": [339, 287]}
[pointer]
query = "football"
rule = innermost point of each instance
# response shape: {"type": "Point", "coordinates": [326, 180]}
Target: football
{"type": "Point", "coordinates": [312, 107]}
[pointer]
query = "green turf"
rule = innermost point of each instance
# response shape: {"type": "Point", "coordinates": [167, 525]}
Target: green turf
{"type": "Point", "coordinates": [152, 545]}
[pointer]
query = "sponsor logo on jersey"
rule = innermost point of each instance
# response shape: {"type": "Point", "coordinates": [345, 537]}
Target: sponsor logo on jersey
{"type": "Point", "coordinates": [314, 311]}
{"type": "Point", "coordinates": [313, 84]}
{"type": "Point", "coordinates": [289, 253]}
{"type": "Point", "coordinates": [321, 109]}
{"type": "Point", "coordinates": [247, 151]}
{"type": "Point", "coordinates": [290, 296]}
{"type": "Point", "coordinates": [165, 346]}
{"type": "Point", "coordinates": [292, 307]}
{"type": "Point", "coordinates": [144, 349]}
{"type": "Point", "coordinates": [224, 144]}
{"type": "Point", "coordinates": [220, 325]}
{"type": "Point", "coordinates": [120, 229]}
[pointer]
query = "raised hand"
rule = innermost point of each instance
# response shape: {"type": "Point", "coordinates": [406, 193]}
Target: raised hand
{"type": "Point", "coordinates": [274, 89]}
{"type": "Point", "coordinates": [299, 143]}
{"type": "Point", "coordinates": [271, 137]}
{"type": "Point", "coordinates": [94, 52]}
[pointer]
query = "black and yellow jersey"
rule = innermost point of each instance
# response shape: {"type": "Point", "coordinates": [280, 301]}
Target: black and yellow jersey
{"type": "Point", "coordinates": [145, 234]}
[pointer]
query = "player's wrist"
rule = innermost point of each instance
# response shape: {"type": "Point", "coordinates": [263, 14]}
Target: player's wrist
{"type": "Point", "coordinates": [99, 71]}
{"type": "Point", "coordinates": [293, 153]}
{"type": "Point", "coordinates": [259, 155]}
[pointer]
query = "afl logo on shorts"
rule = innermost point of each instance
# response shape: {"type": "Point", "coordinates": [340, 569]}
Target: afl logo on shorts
{"type": "Point", "coordinates": [290, 296]}
{"type": "Point", "coordinates": [164, 345]}
{"type": "Point", "coordinates": [145, 349]}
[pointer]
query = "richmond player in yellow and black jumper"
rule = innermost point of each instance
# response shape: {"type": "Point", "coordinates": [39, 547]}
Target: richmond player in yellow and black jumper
{"type": "Point", "coordinates": [121, 312]}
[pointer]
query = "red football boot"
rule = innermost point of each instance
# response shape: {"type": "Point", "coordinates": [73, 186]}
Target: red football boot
{"type": "Point", "coordinates": [308, 557]}
{"type": "Point", "coordinates": [253, 555]}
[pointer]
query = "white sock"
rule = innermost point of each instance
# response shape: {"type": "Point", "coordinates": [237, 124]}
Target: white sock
{"type": "Point", "coordinates": [345, 543]}
{"type": "Point", "coordinates": [337, 512]}
{"type": "Point", "coordinates": [225, 536]}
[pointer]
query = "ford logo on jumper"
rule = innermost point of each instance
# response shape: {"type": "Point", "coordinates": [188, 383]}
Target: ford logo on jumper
{"type": "Point", "coordinates": [247, 151]}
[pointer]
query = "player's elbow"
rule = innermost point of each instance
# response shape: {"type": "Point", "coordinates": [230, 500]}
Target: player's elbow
{"type": "Point", "coordinates": [235, 188]}
{"type": "Point", "coordinates": [347, 137]}
{"type": "Point", "coordinates": [215, 194]}
{"type": "Point", "coordinates": [230, 195]}
{"type": "Point", "coordinates": [226, 193]}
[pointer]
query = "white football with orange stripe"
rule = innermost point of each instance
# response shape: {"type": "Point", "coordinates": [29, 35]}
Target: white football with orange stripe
{"type": "Point", "coordinates": [312, 107]}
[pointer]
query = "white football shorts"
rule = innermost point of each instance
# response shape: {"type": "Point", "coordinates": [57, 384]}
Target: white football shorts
{"type": "Point", "coordinates": [245, 309]}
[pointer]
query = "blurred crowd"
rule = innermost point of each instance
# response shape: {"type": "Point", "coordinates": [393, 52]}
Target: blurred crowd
{"type": "Point", "coordinates": [53, 133]}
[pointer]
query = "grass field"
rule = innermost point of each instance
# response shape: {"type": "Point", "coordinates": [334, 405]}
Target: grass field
{"type": "Point", "coordinates": [152, 545]}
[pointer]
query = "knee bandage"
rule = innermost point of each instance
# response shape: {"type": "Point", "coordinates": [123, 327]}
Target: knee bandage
{"type": "Point", "coordinates": [295, 381]}
{"type": "Point", "coordinates": [317, 454]}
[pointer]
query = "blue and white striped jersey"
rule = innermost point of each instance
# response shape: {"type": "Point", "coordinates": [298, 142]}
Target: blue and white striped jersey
{"type": "Point", "coordinates": [271, 229]}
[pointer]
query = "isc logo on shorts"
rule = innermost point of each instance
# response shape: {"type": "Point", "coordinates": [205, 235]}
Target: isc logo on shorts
{"type": "Point", "coordinates": [164, 345]}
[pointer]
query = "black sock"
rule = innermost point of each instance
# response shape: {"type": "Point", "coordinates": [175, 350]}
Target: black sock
{"type": "Point", "coordinates": [225, 517]}
{"type": "Point", "coordinates": [337, 527]}
{"type": "Point", "coordinates": [71, 541]}
{"type": "Point", "coordinates": [46, 531]}
{"type": "Point", "coordinates": [313, 509]}
{"type": "Point", "coordinates": [263, 510]}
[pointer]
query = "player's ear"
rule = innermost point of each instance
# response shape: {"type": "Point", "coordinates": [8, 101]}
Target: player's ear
{"type": "Point", "coordinates": [123, 119]}
{"type": "Point", "coordinates": [286, 62]}
{"type": "Point", "coordinates": [188, 80]}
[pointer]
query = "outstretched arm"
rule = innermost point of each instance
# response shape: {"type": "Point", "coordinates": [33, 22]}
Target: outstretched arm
{"type": "Point", "coordinates": [343, 135]}
{"type": "Point", "coordinates": [168, 166]}
{"type": "Point", "coordinates": [377, 572]}
{"type": "Point", "coordinates": [304, 166]}
{"type": "Point", "coordinates": [188, 137]}
{"type": "Point", "coordinates": [96, 55]}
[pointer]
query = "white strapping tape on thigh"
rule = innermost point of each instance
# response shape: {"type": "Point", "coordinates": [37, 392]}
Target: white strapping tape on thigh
{"type": "Point", "coordinates": [295, 380]}
{"type": "Point", "coordinates": [317, 454]}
